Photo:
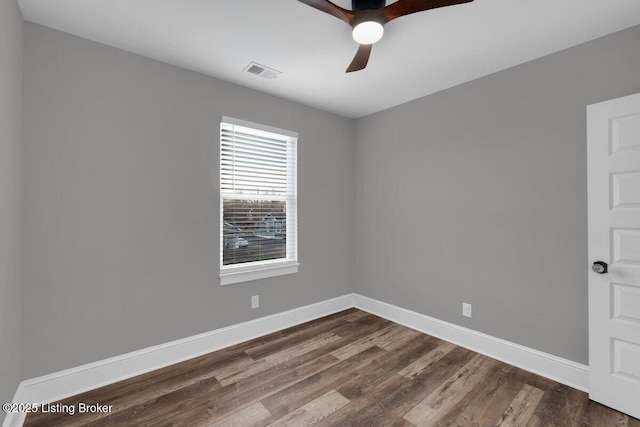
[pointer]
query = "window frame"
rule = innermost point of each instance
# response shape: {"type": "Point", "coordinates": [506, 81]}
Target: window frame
{"type": "Point", "coordinates": [242, 272]}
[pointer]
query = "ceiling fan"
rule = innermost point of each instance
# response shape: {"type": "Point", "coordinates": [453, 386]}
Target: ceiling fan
{"type": "Point", "coordinates": [368, 17]}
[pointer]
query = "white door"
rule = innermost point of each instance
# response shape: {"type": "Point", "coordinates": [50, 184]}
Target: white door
{"type": "Point", "coordinates": [613, 134]}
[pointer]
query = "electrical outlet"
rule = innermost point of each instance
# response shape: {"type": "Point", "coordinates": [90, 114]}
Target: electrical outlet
{"type": "Point", "coordinates": [466, 309]}
{"type": "Point", "coordinates": [255, 301]}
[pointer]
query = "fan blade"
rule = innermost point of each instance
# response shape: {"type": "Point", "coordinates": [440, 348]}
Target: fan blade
{"type": "Point", "coordinates": [361, 59]}
{"type": "Point", "coordinates": [330, 8]}
{"type": "Point", "coordinates": [406, 7]}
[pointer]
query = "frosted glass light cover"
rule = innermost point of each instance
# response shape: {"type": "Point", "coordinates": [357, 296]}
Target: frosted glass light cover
{"type": "Point", "coordinates": [368, 32]}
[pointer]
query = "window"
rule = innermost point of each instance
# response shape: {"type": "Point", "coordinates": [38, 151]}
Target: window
{"type": "Point", "coordinates": [258, 201]}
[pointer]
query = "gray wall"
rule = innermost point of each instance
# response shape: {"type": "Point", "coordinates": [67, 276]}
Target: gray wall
{"type": "Point", "coordinates": [479, 194]}
{"type": "Point", "coordinates": [10, 130]}
{"type": "Point", "coordinates": [121, 245]}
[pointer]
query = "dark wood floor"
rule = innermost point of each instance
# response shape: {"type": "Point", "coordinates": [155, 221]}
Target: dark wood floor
{"type": "Point", "coordinates": [351, 368]}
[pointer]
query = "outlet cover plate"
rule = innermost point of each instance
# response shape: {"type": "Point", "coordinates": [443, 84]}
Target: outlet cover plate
{"type": "Point", "coordinates": [255, 301]}
{"type": "Point", "coordinates": [466, 309]}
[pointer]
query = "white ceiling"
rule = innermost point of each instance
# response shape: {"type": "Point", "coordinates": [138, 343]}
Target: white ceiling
{"type": "Point", "coordinates": [420, 54]}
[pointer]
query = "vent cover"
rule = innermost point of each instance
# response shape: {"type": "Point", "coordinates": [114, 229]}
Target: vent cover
{"type": "Point", "coordinates": [262, 71]}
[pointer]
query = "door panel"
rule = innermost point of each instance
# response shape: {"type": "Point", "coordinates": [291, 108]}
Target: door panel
{"type": "Point", "coordinates": [613, 134]}
{"type": "Point", "coordinates": [625, 190]}
{"type": "Point", "coordinates": [625, 246]}
{"type": "Point", "coordinates": [624, 133]}
{"type": "Point", "coordinates": [625, 302]}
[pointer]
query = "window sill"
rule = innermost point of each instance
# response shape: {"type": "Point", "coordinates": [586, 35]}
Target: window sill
{"type": "Point", "coordinates": [256, 271]}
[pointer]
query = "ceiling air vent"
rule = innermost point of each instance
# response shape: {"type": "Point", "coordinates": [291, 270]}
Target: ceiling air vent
{"type": "Point", "coordinates": [262, 71]}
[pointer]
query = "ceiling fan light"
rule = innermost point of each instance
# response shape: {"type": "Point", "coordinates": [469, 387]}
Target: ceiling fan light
{"type": "Point", "coordinates": [368, 32]}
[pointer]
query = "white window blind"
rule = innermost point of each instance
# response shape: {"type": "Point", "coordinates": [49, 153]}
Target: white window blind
{"type": "Point", "coordinates": [258, 195]}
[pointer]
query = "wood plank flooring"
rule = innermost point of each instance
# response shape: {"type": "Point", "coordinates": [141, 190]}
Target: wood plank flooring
{"type": "Point", "coordinates": [347, 369]}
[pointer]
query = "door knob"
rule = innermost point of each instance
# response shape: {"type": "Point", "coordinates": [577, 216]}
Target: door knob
{"type": "Point", "coordinates": [600, 267]}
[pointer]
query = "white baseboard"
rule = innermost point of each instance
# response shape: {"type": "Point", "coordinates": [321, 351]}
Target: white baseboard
{"type": "Point", "coordinates": [564, 371]}
{"type": "Point", "coordinates": [59, 385]}
{"type": "Point", "coordinates": [15, 419]}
